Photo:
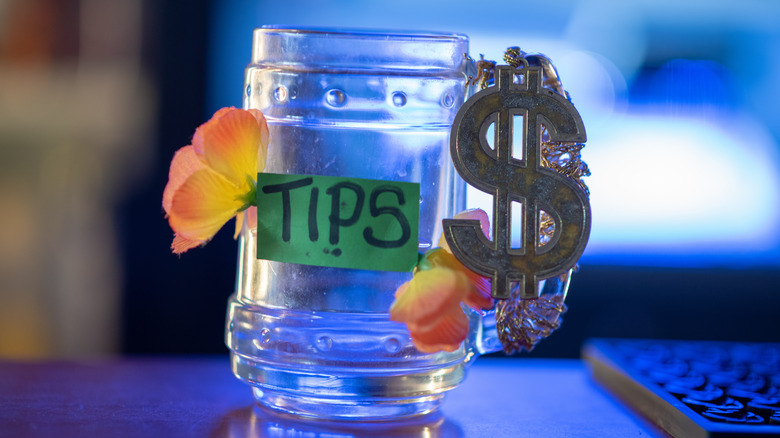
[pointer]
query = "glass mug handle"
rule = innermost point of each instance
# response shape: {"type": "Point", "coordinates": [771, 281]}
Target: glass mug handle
{"type": "Point", "coordinates": [483, 337]}
{"type": "Point", "coordinates": [521, 323]}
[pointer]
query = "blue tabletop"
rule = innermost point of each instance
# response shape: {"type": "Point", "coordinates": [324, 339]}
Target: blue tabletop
{"type": "Point", "coordinates": [200, 397]}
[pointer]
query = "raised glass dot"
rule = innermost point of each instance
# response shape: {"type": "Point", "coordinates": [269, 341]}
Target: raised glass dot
{"type": "Point", "coordinates": [392, 345]}
{"type": "Point", "coordinates": [265, 336]}
{"type": "Point", "coordinates": [447, 100]}
{"type": "Point", "coordinates": [261, 342]}
{"type": "Point", "coordinates": [324, 343]}
{"type": "Point", "coordinates": [335, 97]}
{"type": "Point", "coordinates": [280, 94]}
{"type": "Point", "coordinates": [248, 90]}
{"type": "Point", "coordinates": [399, 98]}
{"type": "Point", "coordinates": [292, 92]}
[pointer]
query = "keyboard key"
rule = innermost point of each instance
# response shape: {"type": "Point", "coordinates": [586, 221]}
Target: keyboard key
{"type": "Point", "coordinates": [732, 416]}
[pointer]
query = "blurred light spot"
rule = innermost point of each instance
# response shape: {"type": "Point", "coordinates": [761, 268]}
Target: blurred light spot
{"type": "Point", "coordinates": [683, 185]}
{"type": "Point", "coordinates": [666, 188]}
{"type": "Point", "coordinates": [595, 85]}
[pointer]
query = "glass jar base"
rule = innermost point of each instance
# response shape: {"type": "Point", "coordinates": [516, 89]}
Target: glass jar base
{"type": "Point", "coordinates": [356, 409]}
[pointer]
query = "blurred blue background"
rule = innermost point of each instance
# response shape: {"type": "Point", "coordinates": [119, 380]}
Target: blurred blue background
{"type": "Point", "coordinates": [679, 99]}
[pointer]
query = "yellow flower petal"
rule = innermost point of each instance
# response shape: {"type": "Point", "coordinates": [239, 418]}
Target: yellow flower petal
{"type": "Point", "coordinates": [230, 143]}
{"type": "Point", "coordinates": [479, 296]}
{"type": "Point", "coordinates": [210, 180]}
{"type": "Point", "coordinates": [202, 205]}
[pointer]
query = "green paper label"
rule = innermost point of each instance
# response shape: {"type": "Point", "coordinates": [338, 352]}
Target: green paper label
{"type": "Point", "coordinates": [337, 222]}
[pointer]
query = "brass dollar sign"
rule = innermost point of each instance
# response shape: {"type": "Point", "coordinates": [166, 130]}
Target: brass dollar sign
{"type": "Point", "coordinates": [508, 179]}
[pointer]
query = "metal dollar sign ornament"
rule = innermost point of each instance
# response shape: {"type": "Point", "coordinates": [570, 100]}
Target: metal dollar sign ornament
{"type": "Point", "coordinates": [497, 172]}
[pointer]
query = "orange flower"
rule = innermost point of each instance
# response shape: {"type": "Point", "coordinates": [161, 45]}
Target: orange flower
{"type": "Point", "coordinates": [213, 179]}
{"type": "Point", "coordinates": [430, 303]}
{"type": "Point", "coordinates": [479, 294]}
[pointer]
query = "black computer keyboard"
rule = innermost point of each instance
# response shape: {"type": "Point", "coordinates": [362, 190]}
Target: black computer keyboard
{"type": "Point", "coordinates": [693, 388]}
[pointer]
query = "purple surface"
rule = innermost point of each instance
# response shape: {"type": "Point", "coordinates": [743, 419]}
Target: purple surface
{"type": "Point", "coordinates": [201, 398]}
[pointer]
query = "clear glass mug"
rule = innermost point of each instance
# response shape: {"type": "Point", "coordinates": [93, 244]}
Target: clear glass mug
{"type": "Point", "coordinates": [317, 341]}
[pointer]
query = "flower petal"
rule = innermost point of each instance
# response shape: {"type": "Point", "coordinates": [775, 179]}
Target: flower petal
{"type": "Point", "coordinates": [446, 334]}
{"type": "Point", "coordinates": [185, 162]}
{"type": "Point", "coordinates": [251, 217]}
{"type": "Point", "coordinates": [428, 294]}
{"type": "Point", "coordinates": [214, 177]}
{"type": "Point", "coordinates": [473, 214]}
{"type": "Point", "coordinates": [198, 138]}
{"type": "Point", "coordinates": [239, 224]}
{"type": "Point", "coordinates": [401, 290]}
{"type": "Point", "coordinates": [262, 151]}
{"type": "Point", "coordinates": [202, 205]}
{"type": "Point", "coordinates": [181, 245]}
{"type": "Point", "coordinates": [479, 296]}
{"type": "Point", "coordinates": [247, 217]}
{"type": "Point", "coordinates": [230, 143]}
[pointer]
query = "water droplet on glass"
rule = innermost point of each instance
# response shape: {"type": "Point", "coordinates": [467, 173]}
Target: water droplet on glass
{"type": "Point", "coordinates": [324, 343]}
{"type": "Point", "coordinates": [335, 97]}
{"type": "Point", "coordinates": [392, 345]}
{"type": "Point", "coordinates": [280, 94]}
{"type": "Point", "coordinates": [248, 90]}
{"type": "Point", "coordinates": [399, 98]}
{"type": "Point", "coordinates": [448, 100]}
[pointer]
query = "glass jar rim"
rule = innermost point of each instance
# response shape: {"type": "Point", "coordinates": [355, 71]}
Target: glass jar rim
{"type": "Point", "coordinates": [346, 32]}
{"type": "Point", "coordinates": [314, 48]}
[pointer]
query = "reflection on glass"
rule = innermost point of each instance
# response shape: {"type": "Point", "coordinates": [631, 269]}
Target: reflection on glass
{"type": "Point", "coordinates": [255, 422]}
